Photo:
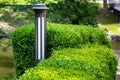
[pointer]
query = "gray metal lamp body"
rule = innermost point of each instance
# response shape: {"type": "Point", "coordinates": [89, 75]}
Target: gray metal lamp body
{"type": "Point", "coordinates": [40, 35]}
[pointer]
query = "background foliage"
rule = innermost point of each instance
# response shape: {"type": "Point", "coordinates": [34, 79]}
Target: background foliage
{"type": "Point", "coordinates": [61, 11]}
{"type": "Point", "coordinates": [73, 12]}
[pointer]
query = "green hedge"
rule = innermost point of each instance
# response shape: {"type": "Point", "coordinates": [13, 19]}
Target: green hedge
{"type": "Point", "coordinates": [64, 36]}
{"type": "Point", "coordinates": [23, 42]}
{"type": "Point", "coordinates": [95, 63]}
{"type": "Point", "coordinates": [58, 36]}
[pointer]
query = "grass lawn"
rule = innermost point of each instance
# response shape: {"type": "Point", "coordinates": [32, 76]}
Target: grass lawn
{"type": "Point", "coordinates": [106, 19]}
{"type": "Point", "coordinates": [16, 1]}
{"type": "Point", "coordinates": [28, 1]}
{"type": "Point", "coordinates": [6, 63]}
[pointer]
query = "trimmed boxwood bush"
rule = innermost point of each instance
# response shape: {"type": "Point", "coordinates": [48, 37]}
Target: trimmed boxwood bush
{"type": "Point", "coordinates": [64, 36]}
{"type": "Point", "coordinates": [94, 63]}
{"type": "Point", "coordinates": [23, 42]}
{"type": "Point", "coordinates": [58, 36]}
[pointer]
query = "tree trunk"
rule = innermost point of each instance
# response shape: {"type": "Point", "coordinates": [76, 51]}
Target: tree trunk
{"type": "Point", "coordinates": [105, 4]}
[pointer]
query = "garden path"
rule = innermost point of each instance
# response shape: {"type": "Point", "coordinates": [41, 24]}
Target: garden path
{"type": "Point", "coordinates": [117, 52]}
{"type": "Point", "coordinates": [6, 27]}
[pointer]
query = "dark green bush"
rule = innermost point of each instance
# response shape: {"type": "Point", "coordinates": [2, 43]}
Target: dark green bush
{"type": "Point", "coordinates": [58, 36]}
{"type": "Point", "coordinates": [64, 36]}
{"type": "Point", "coordinates": [74, 12]}
{"type": "Point", "coordinates": [23, 41]}
{"type": "Point", "coordinates": [95, 63]}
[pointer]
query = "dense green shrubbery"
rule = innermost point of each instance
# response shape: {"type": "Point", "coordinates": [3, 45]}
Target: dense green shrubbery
{"type": "Point", "coordinates": [23, 41]}
{"type": "Point", "coordinates": [58, 36]}
{"type": "Point", "coordinates": [95, 63]}
{"type": "Point", "coordinates": [74, 12]}
{"type": "Point", "coordinates": [64, 36]}
{"type": "Point", "coordinates": [22, 5]}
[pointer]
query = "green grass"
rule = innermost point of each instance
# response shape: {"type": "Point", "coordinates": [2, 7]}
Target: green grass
{"type": "Point", "coordinates": [21, 1]}
{"type": "Point", "coordinates": [6, 62]}
{"type": "Point", "coordinates": [12, 1]}
{"type": "Point", "coordinates": [26, 1]}
{"type": "Point", "coordinates": [106, 19]}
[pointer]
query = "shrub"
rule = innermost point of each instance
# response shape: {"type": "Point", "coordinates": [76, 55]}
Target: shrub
{"type": "Point", "coordinates": [73, 12]}
{"type": "Point", "coordinates": [58, 36]}
{"type": "Point", "coordinates": [63, 36]}
{"type": "Point", "coordinates": [95, 63]}
{"type": "Point", "coordinates": [23, 41]}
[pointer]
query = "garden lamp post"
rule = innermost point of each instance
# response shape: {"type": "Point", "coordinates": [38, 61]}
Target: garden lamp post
{"type": "Point", "coordinates": [40, 27]}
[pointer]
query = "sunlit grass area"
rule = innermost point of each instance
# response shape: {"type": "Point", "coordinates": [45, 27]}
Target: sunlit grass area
{"type": "Point", "coordinates": [15, 1]}
{"type": "Point", "coordinates": [112, 28]}
{"type": "Point", "coordinates": [29, 2]}
{"type": "Point", "coordinates": [106, 20]}
{"type": "Point", "coordinates": [21, 1]}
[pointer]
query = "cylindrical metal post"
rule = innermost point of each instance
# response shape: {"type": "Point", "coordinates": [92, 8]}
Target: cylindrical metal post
{"type": "Point", "coordinates": [40, 24]}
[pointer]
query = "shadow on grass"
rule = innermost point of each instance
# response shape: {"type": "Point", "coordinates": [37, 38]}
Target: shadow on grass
{"type": "Point", "coordinates": [6, 61]}
{"type": "Point", "coordinates": [106, 17]}
{"type": "Point", "coordinates": [9, 78]}
{"type": "Point", "coordinates": [6, 67]}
